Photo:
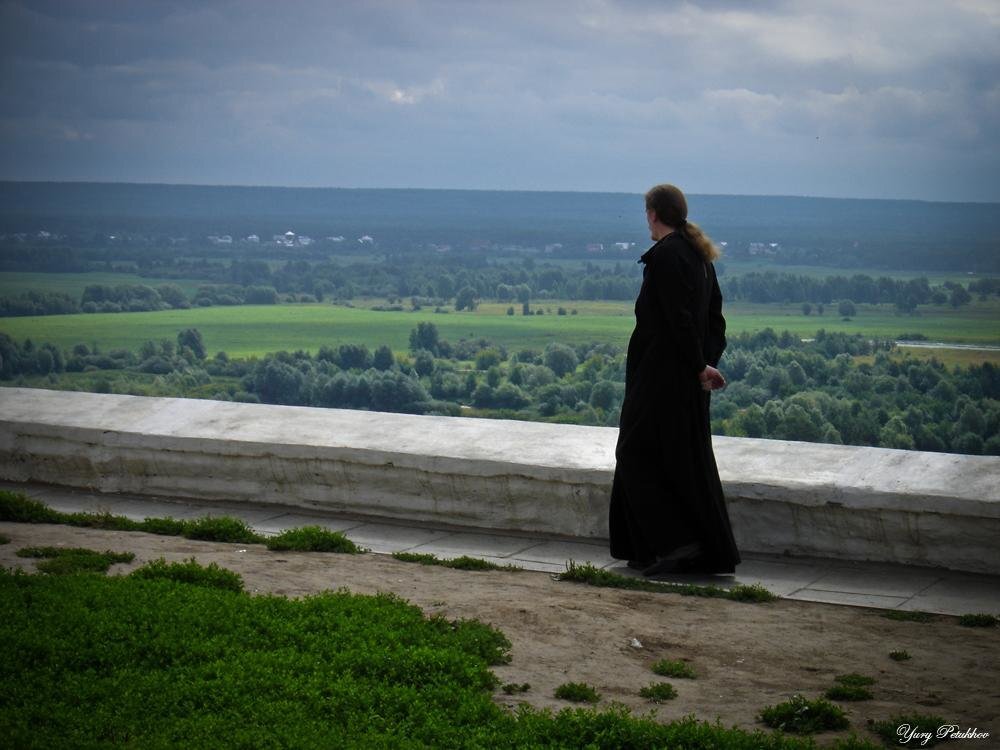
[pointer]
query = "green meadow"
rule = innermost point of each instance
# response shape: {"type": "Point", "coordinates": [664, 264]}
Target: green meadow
{"type": "Point", "coordinates": [13, 283]}
{"type": "Point", "coordinates": [254, 330]}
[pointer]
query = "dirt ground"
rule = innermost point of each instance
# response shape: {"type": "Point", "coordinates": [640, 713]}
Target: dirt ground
{"type": "Point", "coordinates": [746, 656]}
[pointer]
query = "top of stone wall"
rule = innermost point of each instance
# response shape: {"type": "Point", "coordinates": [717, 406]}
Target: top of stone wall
{"type": "Point", "coordinates": [849, 475]}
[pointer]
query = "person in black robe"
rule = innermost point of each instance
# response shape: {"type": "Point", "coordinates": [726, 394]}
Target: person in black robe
{"type": "Point", "coordinates": [668, 513]}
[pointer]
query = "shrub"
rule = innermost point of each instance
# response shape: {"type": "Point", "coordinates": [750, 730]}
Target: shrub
{"type": "Point", "coordinates": [899, 655]}
{"type": "Point", "coordinates": [801, 716]}
{"type": "Point", "coordinates": [312, 539]}
{"type": "Point", "coordinates": [658, 692]}
{"type": "Point", "coordinates": [191, 572]}
{"type": "Point", "coordinates": [578, 692]}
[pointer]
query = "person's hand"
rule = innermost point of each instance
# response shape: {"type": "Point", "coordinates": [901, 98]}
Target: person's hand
{"type": "Point", "coordinates": [711, 379]}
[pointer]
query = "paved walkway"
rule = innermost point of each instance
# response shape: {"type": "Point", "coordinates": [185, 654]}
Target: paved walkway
{"type": "Point", "coordinates": [880, 585]}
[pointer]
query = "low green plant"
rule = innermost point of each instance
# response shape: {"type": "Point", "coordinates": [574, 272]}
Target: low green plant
{"type": "Point", "coordinates": [658, 692]}
{"type": "Point", "coordinates": [673, 668]}
{"type": "Point", "coordinates": [578, 692]}
{"type": "Point", "coordinates": [19, 508]}
{"type": "Point", "coordinates": [4, 539]}
{"type": "Point", "coordinates": [153, 662]}
{"type": "Point", "coordinates": [190, 571]}
{"type": "Point", "coordinates": [798, 715]}
{"type": "Point", "coordinates": [922, 728]}
{"type": "Point", "coordinates": [163, 526]}
{"type": "Point", "coordinates": [978, 621]}
{"type": "Point", "coordinates": [459, 563]}
{"type": "Point", "coordinates": [312, 539]}
{"type": "Point", "coordinates": [593, 576]}
{"type": "Point", "coordinates": [67, 560]}
{"type": "Point", "coordinates": [900, 655]}
{"type": "Point", "coordinates": [512, 687]}
{"type": "Point", "coordinates": [221, 529]}
{"type": "Point", "coordinates": [904, 616]}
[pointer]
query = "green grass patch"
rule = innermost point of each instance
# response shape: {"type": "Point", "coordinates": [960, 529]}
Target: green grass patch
{"type": "Point", "coordinates": [978, 621]}
{"type": "Point", "coordinates": [658, 692]}
{"type": "Point", "coordinates": [254, 330]}
{"type": "Point", "coordinates": [312, 539]}
{"type": "Point", "coordinates": [4, 539]}
{"type": "Point", "coordinates": [593, 576]}
{"type": "Point", "coordinates": [67, 560]}
{"type": "Point", "coordinates": [900, 655]}
{"type": "Point", "coordinates": [902, 616]}
{"type": "Point", "coordinates": [459, 563]}
{"type": "Point", "coordinates": [921, 727]}
{"type": "Point", "coordinates": [154, 662]}
{"type": "Point", "coordinates": [673, 668]}
{"type": "Point", "coordinates": [802, 716]}
{"type": "Point", "coordinates": [578, 692]}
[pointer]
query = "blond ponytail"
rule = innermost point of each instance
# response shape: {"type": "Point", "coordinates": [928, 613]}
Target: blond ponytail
{"type": "Point", "coordinates": [708, 249]}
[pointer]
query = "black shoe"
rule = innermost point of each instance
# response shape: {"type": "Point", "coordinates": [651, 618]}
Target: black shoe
{"type": "Point", "coordinates": [682, 560]}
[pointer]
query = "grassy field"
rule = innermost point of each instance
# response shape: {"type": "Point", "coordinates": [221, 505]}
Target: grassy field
{"type": "Point", "coordinates": [73, 284]}
{"type": "Point", "coordinates": [248, 330]}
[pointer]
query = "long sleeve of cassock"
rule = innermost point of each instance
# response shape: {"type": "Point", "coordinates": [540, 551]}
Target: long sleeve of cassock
{"type": "Point", "coordinates": [716, 343]}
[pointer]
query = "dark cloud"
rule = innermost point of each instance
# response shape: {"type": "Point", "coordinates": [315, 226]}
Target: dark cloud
{"type": "Point", "coordinates": [603, 94]}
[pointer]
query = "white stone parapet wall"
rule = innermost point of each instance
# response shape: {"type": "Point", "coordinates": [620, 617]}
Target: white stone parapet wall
{"type": "Point", "coordinates": [801, 498]}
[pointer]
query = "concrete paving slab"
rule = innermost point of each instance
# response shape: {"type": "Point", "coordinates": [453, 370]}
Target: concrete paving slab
{"type": "Point", "coordinates": [778, 578]}
{"type": "Point", "coordinates": [844, 597]}
{"type": "Point", "coordinates": [388, 538]}
{"type": "Point", "coordinates": [461, 543]}
{"type": "Point", "coordinates": [558, 552]}
{"type": "Point", "coordinates": [250, 515]}
{"type": "Point", "coordinates": [896, 582]}
{"type": "Point", "coordinates": [534, 565]}
{"type": "Point", "coordinates": [139, 510]}
{"type": "Point", "coordinates": [958, 595]}
{"type": "Point", "coordinates": [277, 524]}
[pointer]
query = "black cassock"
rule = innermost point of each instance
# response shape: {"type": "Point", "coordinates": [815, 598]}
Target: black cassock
{"type": "Point", "coordinates": [666, 490]}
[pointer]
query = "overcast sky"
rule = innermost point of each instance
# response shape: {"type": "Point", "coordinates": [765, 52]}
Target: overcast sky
{"type": "Point", "coordinates": [846, 98]}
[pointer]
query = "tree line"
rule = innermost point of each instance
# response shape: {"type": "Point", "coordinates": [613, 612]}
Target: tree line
{"type": "Point", "coordinates": [837, 388]}
{"type": "Point", "coordinates": [433, 282]}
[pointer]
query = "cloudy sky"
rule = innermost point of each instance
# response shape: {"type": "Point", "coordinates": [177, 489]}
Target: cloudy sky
{"type": "Point", "coordinates": [847, 98]}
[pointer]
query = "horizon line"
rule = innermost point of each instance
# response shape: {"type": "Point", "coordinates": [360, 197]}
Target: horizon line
{"type": "Point", "coordinates": [474, 190]}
